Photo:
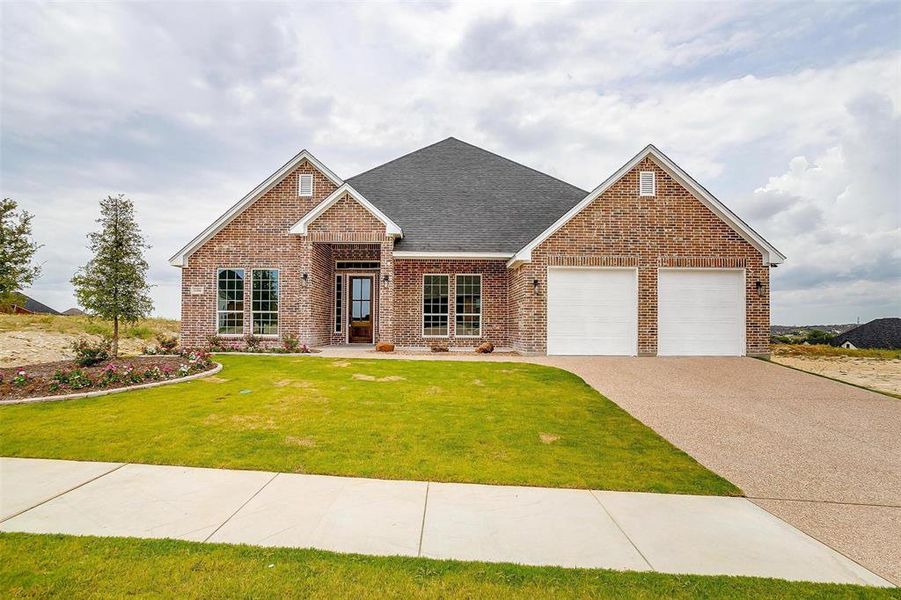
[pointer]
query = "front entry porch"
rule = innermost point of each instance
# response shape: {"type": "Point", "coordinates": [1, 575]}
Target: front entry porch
{"type": "Point", "coordinates": [350, 293]}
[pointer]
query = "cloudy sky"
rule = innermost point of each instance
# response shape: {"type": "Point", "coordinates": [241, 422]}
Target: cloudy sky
{"type": "Point", "coordinates": [788, 112]}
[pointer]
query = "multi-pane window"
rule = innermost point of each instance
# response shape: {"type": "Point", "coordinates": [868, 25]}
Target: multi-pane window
{"type": "Point", "coordinates": [264, 301]}
{"type": "Point", "coordinates": [230, 301]}
{"type": "Point", "coordinates": [339, 293]}
{"type": "Point", "coordinates": [434, 305]}
{"type": "Point", "coordinates": [357, 264]}
{"type": "Point", "coordinates": [468, 290]}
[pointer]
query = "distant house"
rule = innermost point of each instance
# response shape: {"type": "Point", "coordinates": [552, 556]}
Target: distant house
{"type": "Point", "coordinates": [73, 312]}
{"type": "Point", "coordinates": [879, 333]}
{"type": "Point", "coordinates": [24, 305]}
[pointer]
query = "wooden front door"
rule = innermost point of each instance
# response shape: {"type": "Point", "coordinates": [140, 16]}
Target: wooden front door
{"type": "Point", "coordinates": [360, 303]}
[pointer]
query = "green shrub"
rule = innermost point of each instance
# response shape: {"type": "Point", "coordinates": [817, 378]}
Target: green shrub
{"type": "Point", "coordinates": [252, 342]}
{"type": "Point", "coordinates": [290, 342]}
{"type": "Point", "coordinates": [89, 352]}
{"type": "Point", "coordinates": [167, 343]}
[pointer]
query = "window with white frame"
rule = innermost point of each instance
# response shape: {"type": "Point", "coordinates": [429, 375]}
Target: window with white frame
{"type": "Point", "coordinates": [230, 301]}
{"type": "Point", "coordinates": [305, 185]}
{"type": "Point", "coordinates": [264, 301]}
{"type": "Point", "coordinates": [647, 184]}
{"type": "Point", "coordinates": [468, 316]}
{"type": "Point", "coordinates": [339, 293]}
{"type": "Point", "coordinates": [435, 299]}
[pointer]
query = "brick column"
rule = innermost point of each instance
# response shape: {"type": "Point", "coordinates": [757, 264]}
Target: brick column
{"type": "Point", "coordinates": [647, 310]}
{"type": "Point", "coordinates": [304, 304]}
{"type": "Point", "coordinates": [386, 293]}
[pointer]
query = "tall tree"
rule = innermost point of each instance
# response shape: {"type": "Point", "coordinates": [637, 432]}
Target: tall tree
{"type": "Point", "coordinates": [113, 284]}
{"type": "Point", "coordinates": [16, 250]}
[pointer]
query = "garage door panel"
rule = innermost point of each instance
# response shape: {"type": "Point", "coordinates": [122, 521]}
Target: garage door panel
{"type": "Point", "coordinates": [701, 312]}
{"type": "Point", "coordinates": [592, 311]}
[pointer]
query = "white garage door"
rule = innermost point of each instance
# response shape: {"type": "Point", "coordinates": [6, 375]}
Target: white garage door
{"type": "Point", "coordinates": [701, 312]}
{"type": "Point", "coordinates": [592, 311]}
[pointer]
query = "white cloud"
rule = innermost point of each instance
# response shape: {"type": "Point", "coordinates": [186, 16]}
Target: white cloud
{"type": "Point", "coordinates": [838, 217]}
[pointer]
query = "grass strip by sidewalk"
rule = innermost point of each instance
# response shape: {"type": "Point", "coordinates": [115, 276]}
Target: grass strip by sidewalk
{"type": "Point", "coordinates": [56, 566]}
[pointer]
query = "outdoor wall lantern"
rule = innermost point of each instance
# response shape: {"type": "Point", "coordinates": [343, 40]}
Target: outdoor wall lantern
{"type": "Point", "coordinates": [759, 285]}
{"type": "Point", "coordinates": [305, 277]}
{"type": "Point", "coordinates": [386, 278]}
{"type": "Point", "coordinates": [535, 285]}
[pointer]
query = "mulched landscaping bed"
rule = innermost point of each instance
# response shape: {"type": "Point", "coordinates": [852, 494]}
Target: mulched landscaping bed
{"type": "Point", "coordinates": [66, 377]}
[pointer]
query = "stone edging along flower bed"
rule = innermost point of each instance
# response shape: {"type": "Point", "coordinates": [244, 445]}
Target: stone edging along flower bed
{"type": "Point", "coordinates": [216, 368]}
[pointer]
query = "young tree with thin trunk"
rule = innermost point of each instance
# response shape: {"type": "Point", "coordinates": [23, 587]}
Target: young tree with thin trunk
{"type": "Point", "coordinates": [113, 284]}
{"type": "Point", "coordinates": [16, 251]}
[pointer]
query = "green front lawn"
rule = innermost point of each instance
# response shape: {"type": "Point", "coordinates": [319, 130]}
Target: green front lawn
{"type": "Point", "coordinates": [80, 567]}
{"type": "Point", "coordinates": [484, 422]}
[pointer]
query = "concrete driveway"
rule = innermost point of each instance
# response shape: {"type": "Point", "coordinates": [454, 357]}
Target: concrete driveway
{"type": "Point", "coordinates": [822, 455]}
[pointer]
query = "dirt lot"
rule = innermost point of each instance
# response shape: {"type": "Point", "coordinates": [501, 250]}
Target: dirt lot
{"type": "Point", "coordinates": [31, 339]}
{"type": "Point", "coordinates": [883, 374]}
{"type": "Point", "coordinates": [31, 347]}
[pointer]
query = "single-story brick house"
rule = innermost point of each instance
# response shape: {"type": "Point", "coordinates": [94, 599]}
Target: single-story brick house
{"type": "Point", "coordinates": [452, 245]}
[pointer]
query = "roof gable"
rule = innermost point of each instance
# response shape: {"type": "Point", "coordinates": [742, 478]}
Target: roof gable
{"type": "Point", "coordinates": [391, 228]}
{"type": "Point", "coordinates": [769, 253]}
{"type": "Point", "coordinates": [180, 258]}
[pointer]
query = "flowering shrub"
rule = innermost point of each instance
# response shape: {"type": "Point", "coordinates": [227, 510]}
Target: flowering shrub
{"type": "Point", "coordinates": [252, 342]}
{"type": "Point", "coordinates": [21, 378]}
{"type": "Point", "coordinates": [167, 343]}
{"type": "Point", "coordinates": [70, 377]}
{"type": "Point", "coordinates": [75, 379]}
{"type": "Point", "coordinates": [290, 342]}
{"type": "Point", "coordinates": [88, 352]}
{"type": "Point", "coordinates": [198, 360]}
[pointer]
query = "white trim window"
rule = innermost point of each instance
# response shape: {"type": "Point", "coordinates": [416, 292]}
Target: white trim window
{"type": "Point", "coordinates": [468, 314]}
{"type": "Point", "coordinates": [264, 301]}
{"type": "Point", "coordinates": [435, 301]}
{"type": "Point", "coordinates": [339, 301]}
{"type": "Point", "coordinates": [647, 183]}
{"type": "Point", "coordinates": [230, 301]}
{"type": "Point", "coordinates": [305, 185]}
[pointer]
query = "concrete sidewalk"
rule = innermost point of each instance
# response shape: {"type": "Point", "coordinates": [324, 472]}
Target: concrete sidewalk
{"type": "Point", "coordinates": [535, 526]}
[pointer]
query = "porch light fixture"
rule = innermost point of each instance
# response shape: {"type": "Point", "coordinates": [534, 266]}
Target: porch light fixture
{"type": "Point", "coordinates": [386, 278]}
{"type": "Point", "coordinates": [759, 286]}
{"type": "Point", "coordinates": [535, 285]}
{"type": "Point", "coordinates": [305, 277]}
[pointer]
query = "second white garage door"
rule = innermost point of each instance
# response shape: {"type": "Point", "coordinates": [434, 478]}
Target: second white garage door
{"type": "Point", "coordinates": [700, 312]}
{"type": "Point", "coordinates": [592, 311]}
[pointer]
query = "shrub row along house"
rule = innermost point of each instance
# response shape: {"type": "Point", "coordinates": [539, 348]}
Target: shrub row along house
{"type": "Point", "coordinates": [452, 245]}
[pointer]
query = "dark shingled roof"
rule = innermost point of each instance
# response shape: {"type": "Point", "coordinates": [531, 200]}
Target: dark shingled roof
{"type": "Point", "coordinates": [879, 333]}
{"type": "Point", "coordinates": [36, 307]}
{"type": "Point", "coordinates": [455, 197]}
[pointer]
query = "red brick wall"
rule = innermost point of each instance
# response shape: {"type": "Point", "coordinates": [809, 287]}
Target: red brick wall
{"type": "Point", "coordinates": [620, 228]}
{"type": "Point", "coordinates": [256, 238]}
{"type": "Point", "coordinates": [408, 301]}
{"type": "Point", "coordinates": [346, 221]}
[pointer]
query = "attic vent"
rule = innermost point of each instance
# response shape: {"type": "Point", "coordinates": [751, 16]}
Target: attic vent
{"type": "Point", "coordinates": [647, 185]}
{"type": "Point", "coordinates": [305, 186]}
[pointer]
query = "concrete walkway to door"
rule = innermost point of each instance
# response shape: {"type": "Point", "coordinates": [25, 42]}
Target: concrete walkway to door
{"type": "Point", "coordinates": [537, 526]}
